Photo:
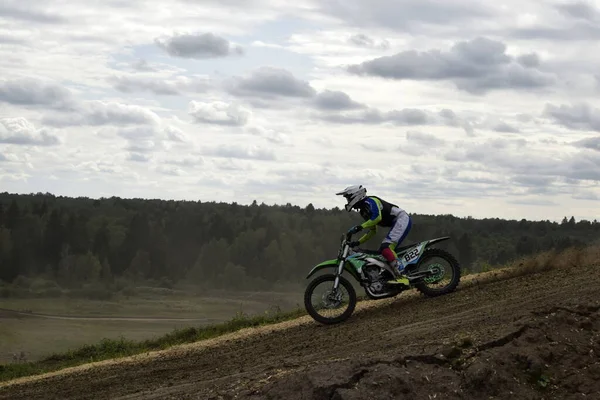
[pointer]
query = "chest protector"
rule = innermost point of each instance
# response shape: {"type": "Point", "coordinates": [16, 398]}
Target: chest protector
{"type": "Point", "coordinates": [388, 217]}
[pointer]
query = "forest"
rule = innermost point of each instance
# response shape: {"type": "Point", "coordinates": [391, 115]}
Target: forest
{"type": "Point", "coordinates": [92, 247]}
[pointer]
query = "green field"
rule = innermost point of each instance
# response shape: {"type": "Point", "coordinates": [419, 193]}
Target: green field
{"type": "Point", "coordinates": [44, 326]}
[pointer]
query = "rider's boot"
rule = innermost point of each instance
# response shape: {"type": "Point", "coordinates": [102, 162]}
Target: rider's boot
{"type": "Point", "coordinates": [399, 278]}
{"type": "Point", "coordinates": [394, 263]}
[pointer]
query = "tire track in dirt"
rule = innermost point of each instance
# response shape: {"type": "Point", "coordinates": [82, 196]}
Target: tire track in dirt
{"type": "Point", "coordinates": [410, 325]}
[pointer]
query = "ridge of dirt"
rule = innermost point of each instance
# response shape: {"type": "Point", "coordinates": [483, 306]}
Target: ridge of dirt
{"type": "Point", "coordinates": [530, 337]}
{"type": "Point", "coordinates": [506, 367]}
{"type": "Point", "coordinates": [466, 281]}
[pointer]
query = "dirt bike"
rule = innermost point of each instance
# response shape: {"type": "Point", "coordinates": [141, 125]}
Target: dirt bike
{"type": "Point", "coordinates": [371, 271]}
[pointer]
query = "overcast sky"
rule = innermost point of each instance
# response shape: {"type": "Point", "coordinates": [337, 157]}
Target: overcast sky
{"type": "Point", "coordinates": [441, 106]}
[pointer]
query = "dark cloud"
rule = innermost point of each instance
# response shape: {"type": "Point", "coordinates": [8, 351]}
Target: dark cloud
{"type": "Point", "coordinates": [505, 127]}
{"type": "Point", "coordinates": [578, 116]}
{"type": "Point", "coordinates": [144, 146]}
{"type": "Point", "coordinates": [24, 11]}
{"type": "Point", "coordinates": [480, 151]}
{"type": "Point", "coordinates": [524, 117]}
{"type": "Point", "coordinates": [240, 151]}
{"type": "Point", "coordinates": [142, 65]}
{"type": "Point", "coordinates": [517, 157]}
{"type": "Point", "coordinates": [19, 131]}
{"type": "Point", "coordinates": [580, 10]}
{"type": "Point", "coordinates": [160, 86]}
{"type": "Point", "coordinates": [533, 181]}
{"type": "Point", "coordinates": [218, 113]}
{"type": "Point", "coordinates": [335, 100]}
{"type": "Point", "coordinates": [582, 23]}
{"type": "Point", "coordinates": [531, 60]}
{"type": "Point", "coordinates": [363, 40]}
{"type": "Point", "coordinates": [424, 139]}
{"type": "Point", "coordinates": [12, 40]}
{"type": "Point", "coordinates": [533, 202]}
{"type": "Point", "coordinates": [96, 113]}
{"type": "Point", "coordinates": [406, 15]}
{"type": "Point", "coordinates": [270, 82]}
{"type": "Point", "coordinates": [137, 157]}
{"type": "Point", "coordinates": [592, 143]}
{"type": "Point", "coordinates": [476, 66]}
{"type": "Point", "coordinates": [34, 92]}
{"type": "Point", "coordinates": [585, 195]}
{"type": "Point", "coordinates": [186, 161]}
{"type": "Point", "coordinates": [150, 137]}
{"type": "Point", "coordinates": [198, 46]}
{"type": "Point", "coordinates": [403, 117]}
{"type": "Point", "coordinates": [433, 187]}
{"type": "Point", "coordinates": [568, 33]}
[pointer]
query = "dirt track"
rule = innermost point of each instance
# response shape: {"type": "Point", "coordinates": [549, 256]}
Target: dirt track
{"type": "Point", "coordinates": [522, 334]}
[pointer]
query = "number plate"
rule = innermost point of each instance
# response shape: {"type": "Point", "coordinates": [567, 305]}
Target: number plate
{"type": "Point", "coordinates": [411, 255]}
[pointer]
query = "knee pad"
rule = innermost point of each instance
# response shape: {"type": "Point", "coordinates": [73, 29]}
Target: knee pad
{"type": "Point", "coordinates": [388, 254]}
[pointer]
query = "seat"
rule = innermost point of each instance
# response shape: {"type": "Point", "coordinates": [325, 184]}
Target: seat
{"type": "Point", "coordinates": [397, 250]}
{"type": "Point", "coordinates": [400, 249]}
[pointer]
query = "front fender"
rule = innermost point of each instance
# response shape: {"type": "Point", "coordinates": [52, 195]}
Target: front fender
{"type": "Point", "coordinates": [333, 264]}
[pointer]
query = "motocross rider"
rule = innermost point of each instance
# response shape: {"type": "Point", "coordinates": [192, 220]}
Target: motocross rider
{"type": "Point", "coordinates": [376, 211]}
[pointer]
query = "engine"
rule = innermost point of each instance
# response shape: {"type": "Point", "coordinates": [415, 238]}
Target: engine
{"type": "Point", "coordinates": [376, 276]}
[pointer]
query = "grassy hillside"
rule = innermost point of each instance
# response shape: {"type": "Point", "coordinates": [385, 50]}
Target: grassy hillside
{"type": "Point", "coordinates": [108, 349]}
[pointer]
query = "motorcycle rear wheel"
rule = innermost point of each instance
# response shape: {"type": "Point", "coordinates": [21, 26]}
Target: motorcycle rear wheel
{"type": "Point", "coordinates": [455, 269]}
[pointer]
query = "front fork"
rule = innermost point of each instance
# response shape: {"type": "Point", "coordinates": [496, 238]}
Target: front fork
{"type": "Point", "coordinates": [340, 269]}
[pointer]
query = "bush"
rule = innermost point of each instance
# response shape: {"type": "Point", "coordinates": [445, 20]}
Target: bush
{"type": "Point", "coordinates": [50, 292]}
{"type": "Point", "coordinates": [22, 282]}
{"type": "Point", "coordinates": [5, 292]}
{"type": "Point", "coordinates": [165, 283]}
{"type": "Point", "coordinates": [42, 285]}
{"type": "Point", "coordinates": [91, 292]}
{"type": "Point", "coordinates": [128, 291]}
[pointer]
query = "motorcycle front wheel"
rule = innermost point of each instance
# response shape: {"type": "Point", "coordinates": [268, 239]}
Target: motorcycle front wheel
{"type": "Point", "coordinates": [344, 298]}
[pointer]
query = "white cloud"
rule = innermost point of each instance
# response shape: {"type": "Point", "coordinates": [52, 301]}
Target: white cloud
{"type": "Point", "coordinates": [219, 113]}
{"type": "Point", "coordinates": [289, 101]}
{"type": "Point", "coordinates": [240, 151]}
{"type": "Point", "coordinates": [96, 113]}
{"type": "Point", "coordinates": [153, 84]}
{"type": "Point", "coordinates": [19, 131]}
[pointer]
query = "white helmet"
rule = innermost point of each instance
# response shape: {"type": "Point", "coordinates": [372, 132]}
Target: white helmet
{"type": "Point", "coordinates": [353, 194]}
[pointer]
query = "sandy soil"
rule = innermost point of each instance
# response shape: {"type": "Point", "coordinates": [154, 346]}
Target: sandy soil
{"type": "Point", "coordinates": [531, 337]}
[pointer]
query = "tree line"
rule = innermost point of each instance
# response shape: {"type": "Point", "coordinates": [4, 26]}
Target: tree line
{"type": "Point", "coordinates": [82, 242]}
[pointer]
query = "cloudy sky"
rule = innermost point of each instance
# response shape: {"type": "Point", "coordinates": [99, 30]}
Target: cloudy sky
{"type": "Point", "coordinates": [441, 106]}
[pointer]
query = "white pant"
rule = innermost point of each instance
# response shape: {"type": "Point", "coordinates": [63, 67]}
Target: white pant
{"type": "Point", "coordinates": [400, 229]}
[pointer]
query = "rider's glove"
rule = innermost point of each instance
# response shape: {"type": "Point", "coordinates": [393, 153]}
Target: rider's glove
{"type": "Point", "coordinates": [355, 229]}
{"type": "Point", "coordinates": [354, 244]}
